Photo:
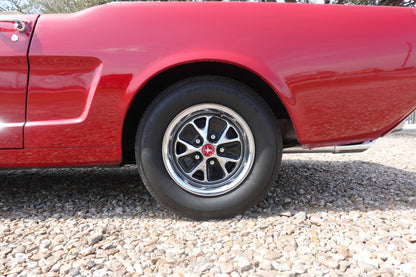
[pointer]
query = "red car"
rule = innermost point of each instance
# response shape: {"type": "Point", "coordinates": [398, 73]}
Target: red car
{"type": "Point", "coordinates": [204, 97]}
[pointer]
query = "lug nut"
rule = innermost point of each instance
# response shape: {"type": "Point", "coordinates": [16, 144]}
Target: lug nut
{"type": "Point", "coordinates": [221, 150]}
{"type": "Point", "coordinates": [197, 157]}
{"type": "Point", "coordinates": [197, 141]}
{"type": "Point", "coordinates": [211, 162]}
{"type": "Point", "coordinates": [213, 137]}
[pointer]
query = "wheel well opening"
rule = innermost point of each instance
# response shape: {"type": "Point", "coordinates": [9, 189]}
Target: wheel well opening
{"type": "Point", "coordinates": [167, 78]}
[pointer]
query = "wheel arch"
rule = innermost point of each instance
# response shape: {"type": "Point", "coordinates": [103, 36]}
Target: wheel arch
{"type": "Point", "coordinates": [164, 79]}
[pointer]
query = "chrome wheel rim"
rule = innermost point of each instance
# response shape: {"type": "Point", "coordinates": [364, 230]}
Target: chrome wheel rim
{"type": "Point", "coordinates": [208, 149]}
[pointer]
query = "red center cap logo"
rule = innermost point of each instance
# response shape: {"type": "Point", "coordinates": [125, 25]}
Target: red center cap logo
{"type": "Point", "coordinates": [208, 150]}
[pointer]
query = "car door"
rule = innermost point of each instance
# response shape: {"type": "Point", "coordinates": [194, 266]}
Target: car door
{"type": "Point", "coordinates": [15, 35]}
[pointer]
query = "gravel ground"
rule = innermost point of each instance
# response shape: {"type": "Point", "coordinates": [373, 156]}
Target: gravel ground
{"type": "Point", "coordinates": [345, 214]}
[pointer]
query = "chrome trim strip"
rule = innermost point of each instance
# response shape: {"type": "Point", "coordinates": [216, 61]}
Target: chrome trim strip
{"type": "Point", "coordinates": [336, 149]}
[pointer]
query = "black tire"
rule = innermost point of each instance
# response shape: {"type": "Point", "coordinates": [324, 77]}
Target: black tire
{"type": "Point", "coordinates": [252, 183]}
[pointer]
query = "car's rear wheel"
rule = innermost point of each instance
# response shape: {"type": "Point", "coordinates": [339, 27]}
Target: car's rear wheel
{"type": "Point", "coordinates": [208, 147]}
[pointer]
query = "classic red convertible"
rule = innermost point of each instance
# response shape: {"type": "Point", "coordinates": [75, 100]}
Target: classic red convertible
{"type": "Point", "coordinates": [204, 97]}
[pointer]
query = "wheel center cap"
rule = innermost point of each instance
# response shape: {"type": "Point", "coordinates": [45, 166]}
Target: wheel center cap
{"type": "Point", "coordinates": [208, 150]}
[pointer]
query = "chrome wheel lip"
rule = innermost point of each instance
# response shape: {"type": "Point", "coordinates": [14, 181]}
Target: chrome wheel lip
{"type": "Point", "coordinates": [207, 188]}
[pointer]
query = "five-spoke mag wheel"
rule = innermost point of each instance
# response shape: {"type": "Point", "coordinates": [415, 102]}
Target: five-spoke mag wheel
{"type": "Point", "coordinates": [208, 149]}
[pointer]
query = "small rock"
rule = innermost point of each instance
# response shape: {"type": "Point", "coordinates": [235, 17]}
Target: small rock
{"type": "Point", "coordinates": [272, 273]}
{"type": "Point", "coordinates": [100, 273]}
{"type": "Point", "coordinates": [408, 269]}
{"type": "Point", "coordinates": [74, 271]}
{"type": "Point", "coordinates": [331, 263]}
{"type": "Point", "coordinates": [114, 265]}
{"type": "Point", "coordinates": [299, 217]}
{"type": "Point", "coordinates": [243, 263]}
{"type": "Point", "coordinates": [284, 267]}
{"type": "Point", "coordinates": [316, 220]}
{"type": "Point", "coordinates": [31, 264]}
{"type": "Point", "coordinates": [226, 268]}
{"type": "Point", "coordinates": [46, 243]}
{"type": "Point", "coordinates": [404, 224]}
{"type": "Point", "coordinates": [287, 241]}
{"type": "Point", "coordinates": [382, 256]}
{"type": "Point", "coordinates": [87, 251]}
{"type": "Point", "coordinates": [90, 264]}
{"type": "Point", "coordinates": [412, 239]}
{"type": "Point", "coordinates": [113, 251]}
{"type": "Point", "coordinates": [20, 258]}
{"type": "Point", "coordinates": [95, 239]}
{"type": "Point", "coordinates": [299, 267]}
{"type": "Point", "coordinates": [57, 240]}
{"type": "Point", "coordinates": [215, 270]}
{"type": "Point", "coordinates": [286, 213]}
{"type": "Point", "coordinates": [45, 269]}
{"type": "Point", "coordinates": [217, 246]}
{"type": "Point", "coordinates": [138, 268]}
{"type": "Point", "coordinates": [343, 265]}
{"type": "Point", "coordinates": [56, 267]}
{"type": "Point", "coordinates": [174, 252]}
{"type": "Point", "coordinates": [289, 229]}
{"type": "Point", "coordinates": [205, 267]}
{"type": "Point", "coordinates": [265, 265]}
{"type": "Point", "coordinates": [65, 268]}
{"type": "Point", "coordinates": [344, 252]}
{"type": "Point", "coordinates": [5, 229]}
{"type": "Point", "coordinates": [39, 256]}
{"type": "Point", "coordinates": [15, 270]}
{"type": "Point", "coordinates": [276, 266]}
{"type": "Point", "coordinates": [272, 255]}
{"type": "Point", "coordinates": [6, 251]}
{"type": "Point", "coordinates": [19, 249]}
{"type": "Point", "coordinates": [399, 243]}
{"type": "Point", "coordinates": [224, 258]}
{"type": "Point", "coordinates": [216, 275]}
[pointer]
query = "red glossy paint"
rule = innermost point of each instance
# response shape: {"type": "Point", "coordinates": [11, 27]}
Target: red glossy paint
{"type": "Point", "coordinates": [344, 73]}
{"type": "Point", "coordinates": [55, 157]}
{"type": "Point", "coordinates": [13, 79]}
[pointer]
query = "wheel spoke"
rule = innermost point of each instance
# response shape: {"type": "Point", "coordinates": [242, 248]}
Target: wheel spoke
{"type": "Point", "coordinates": [189, 148]}
{"type": "Point", "coordinates": [222, 161]}
{"type": "Point", "coordinates": [222, 164]}
{"type": "Point", "coordinates": [203, 132]}
{"type": "Point", "coordinates": [226, 159]}
{"type": "Point", "coordinates": [203, 167]}
{"type": "Point", "coordinates": [223, 139]}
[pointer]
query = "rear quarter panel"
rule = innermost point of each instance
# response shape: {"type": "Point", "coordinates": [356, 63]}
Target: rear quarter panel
{"type": "Point", "coordinates": [345, 74]}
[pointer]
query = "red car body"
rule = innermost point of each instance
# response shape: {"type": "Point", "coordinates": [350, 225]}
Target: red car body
{"type": "Point", "coordinates": [344, 74]}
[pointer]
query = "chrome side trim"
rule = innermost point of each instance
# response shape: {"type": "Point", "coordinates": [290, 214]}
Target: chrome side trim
{"type": "Point", "coordinates": [336, 149]}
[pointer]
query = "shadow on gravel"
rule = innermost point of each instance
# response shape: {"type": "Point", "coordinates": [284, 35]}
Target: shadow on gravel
{"type": "Point", "coordinates": [308, 186]}
{"type": "Point", "coordinates": [313, 186]}
{"type": "Point", "coordinates": [405, 133]}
